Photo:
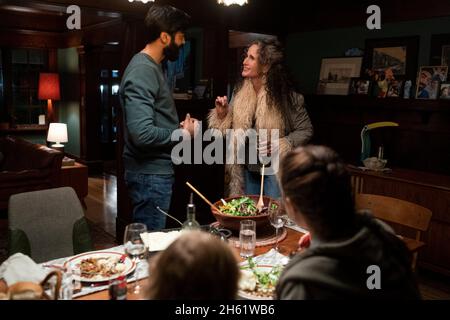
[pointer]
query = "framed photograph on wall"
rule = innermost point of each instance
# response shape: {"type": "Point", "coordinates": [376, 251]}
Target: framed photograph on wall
{"type": "Point", "coordinates": [444, 92]}
{"type": "Point", "coordinates": [397, 54]}
{"type": "Point", "coordinates": [395, 89]}
{"type": "Point", "coordinates": [359, 86]}
{"type": "Point", "coordinates": [429, 80]}
{"type": "Point", "coordinates": [336, 73]}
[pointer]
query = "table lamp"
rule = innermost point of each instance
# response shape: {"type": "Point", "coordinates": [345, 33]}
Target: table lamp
{"type": "Point", "coordinates": [49, 90]}
{"type": "Point", "coordinates": [57, 132]}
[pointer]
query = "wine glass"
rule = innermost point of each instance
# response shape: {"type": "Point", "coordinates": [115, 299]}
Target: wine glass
{"type": "Point", "coordinates": [277, 219]}
{"type": "Point", "coordinates": [135, 247]}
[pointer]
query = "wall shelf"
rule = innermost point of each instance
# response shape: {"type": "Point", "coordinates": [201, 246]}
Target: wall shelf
{"type": "Point", "coordinates": [367, 102]}
{"type": "Point", "coordinates": [25, 128]}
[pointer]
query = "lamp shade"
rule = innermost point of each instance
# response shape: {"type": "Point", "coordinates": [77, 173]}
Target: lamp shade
{"type": "Point", "coordinates": [48, 86]}
{"type": "Point", "coordinates": [57, 132]}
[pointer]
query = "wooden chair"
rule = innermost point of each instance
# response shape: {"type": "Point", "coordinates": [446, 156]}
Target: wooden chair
{"type": "Point", "coordinates": [401, 212]}
{"type": "Point", "coordinates": [357, 184]}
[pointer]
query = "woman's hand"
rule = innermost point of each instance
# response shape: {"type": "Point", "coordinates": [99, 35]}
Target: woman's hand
{"type": "Point", "coordinates": [266, 148]}
{"type": "Point", "coordinates": [222, 106]}
{"type": "Point", "coordinates": [304, 242]}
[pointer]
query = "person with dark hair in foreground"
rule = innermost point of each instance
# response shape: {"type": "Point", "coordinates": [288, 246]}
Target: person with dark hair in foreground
{"type": "Point", "coordinates": [150, 117]}
{"type": "Point", "coordinates": [351, 255]}
{"type": "Point", "coordinates": [196, 266]}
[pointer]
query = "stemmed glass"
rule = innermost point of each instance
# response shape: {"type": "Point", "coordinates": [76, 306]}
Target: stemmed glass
{"type": "Point", "coordinates": [277, 220]}
{"type": "Point", "coordinates": [135, 247]}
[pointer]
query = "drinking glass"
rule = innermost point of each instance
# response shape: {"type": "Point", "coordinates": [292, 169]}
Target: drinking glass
{"type": "Point", "coordinates": [135, 248]}
{"type": "Point", "coordinates": [247, 238]}
{"type": "Point", "coordinates": [277, 220]}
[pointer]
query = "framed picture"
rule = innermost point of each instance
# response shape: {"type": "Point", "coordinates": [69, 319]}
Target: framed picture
{"type": "Point", "coordinates": [395, 89]}
{"type": "Point", "coordinates": [444, 92]}
{"type": "Point", "coordinates": [396, 54]}
{"type": "Point", "coordinates": [359, 86]}
{"type": "Point", "coordinates": [335, 74]}
{"type": "Point", "coordinates": [429, 80]}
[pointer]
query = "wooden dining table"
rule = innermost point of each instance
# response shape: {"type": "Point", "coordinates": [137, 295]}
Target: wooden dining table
{"type": "Point", "coordinates": [288, 245]}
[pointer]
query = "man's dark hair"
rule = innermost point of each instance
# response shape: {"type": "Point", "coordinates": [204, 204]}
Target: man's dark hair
{"type": "Point", "coordinates": [164, 18]}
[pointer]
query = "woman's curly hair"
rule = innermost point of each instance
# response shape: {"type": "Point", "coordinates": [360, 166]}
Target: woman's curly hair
{"type": "Point", "coordinates": [279, 84]}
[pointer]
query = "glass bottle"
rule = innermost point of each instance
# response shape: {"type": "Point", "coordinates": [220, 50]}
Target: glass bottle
{"type": "Point", "coordinates": [191, 223]}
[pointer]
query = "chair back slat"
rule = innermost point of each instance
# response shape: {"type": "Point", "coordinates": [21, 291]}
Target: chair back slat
{"type": "Point", "coordinates": [395, 210]}
{"type": "Point", "coordinates": [357, 184]}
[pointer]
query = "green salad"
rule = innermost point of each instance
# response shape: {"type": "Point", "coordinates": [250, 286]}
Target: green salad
{"type": "Point", "coordinates": [243, 206]}
{"type": "Point", "coordinates": [258, 281]}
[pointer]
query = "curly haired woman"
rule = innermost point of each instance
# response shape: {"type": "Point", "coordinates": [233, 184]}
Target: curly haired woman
{"type": "Point", "coordinates": [263, 99]}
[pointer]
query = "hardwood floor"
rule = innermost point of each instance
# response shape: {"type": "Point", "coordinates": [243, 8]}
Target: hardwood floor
{"type": "Point", "coordinates": [101, 202]}
{"type": "Point", "coordinates": [101, 210]}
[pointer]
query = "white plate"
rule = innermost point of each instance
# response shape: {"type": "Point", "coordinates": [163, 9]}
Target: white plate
{"type": "Point", "coordinates": [247, 294]}
{"type": "Point", "coordinates": [76, 260]}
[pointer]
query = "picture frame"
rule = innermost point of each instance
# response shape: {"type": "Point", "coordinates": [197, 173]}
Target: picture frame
{"type": "Point", "coordinates": [428, 81]}
{"type": "Point", "coordinates": [395, 89]}
{"type": "Point", "coordinates": [336, 73]}
{"type": "Point", "coordinates": [444, 91]}
{"type": "Point", "coordinates": [360, 86]}
{"type": "Point", "coordinates": [400, 54]}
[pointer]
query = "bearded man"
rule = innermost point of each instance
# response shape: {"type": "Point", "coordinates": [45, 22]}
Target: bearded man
{"type": "Point", "coordinates": [150, 117]}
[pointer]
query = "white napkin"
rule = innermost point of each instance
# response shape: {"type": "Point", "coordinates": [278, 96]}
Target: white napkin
{"type": "Point", "coordinates": [20, 267]}
{"type": "Point", "coordinates": [157, 241]}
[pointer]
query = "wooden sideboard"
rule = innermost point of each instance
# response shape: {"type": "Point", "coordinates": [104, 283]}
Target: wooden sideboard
{"type": "Point", "coordinates": [75, 176]}
{"type": "Point", "coordinates": [426, 189]}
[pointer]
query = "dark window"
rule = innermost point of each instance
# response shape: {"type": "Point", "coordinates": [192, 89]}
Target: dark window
{"type": "Point", "coordinates": [26, 64]}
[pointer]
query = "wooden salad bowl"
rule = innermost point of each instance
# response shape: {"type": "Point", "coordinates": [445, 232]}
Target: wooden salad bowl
{"type": "Point", "coordinates": [233, 222]}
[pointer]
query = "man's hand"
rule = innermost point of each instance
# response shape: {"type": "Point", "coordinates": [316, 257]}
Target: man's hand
{"type": "Point", "coordinates": [191, 125]}
{"type": "Point", "coordinates": [221, 106]}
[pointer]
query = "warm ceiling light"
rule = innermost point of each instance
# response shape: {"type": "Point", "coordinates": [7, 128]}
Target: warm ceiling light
{"type": "Point", "coordinates": [144, 1]}
{"type": "Point", "coordinates": [230, 2]}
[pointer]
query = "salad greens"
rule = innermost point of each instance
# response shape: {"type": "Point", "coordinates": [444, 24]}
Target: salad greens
{"type": "Point", "coordinates": [266, 280]}
{"type": "Point", "coordinates": [243, 206]}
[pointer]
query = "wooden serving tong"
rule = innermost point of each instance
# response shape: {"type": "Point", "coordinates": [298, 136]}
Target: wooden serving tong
{"type": "Point", "coordinates": [202, 196]}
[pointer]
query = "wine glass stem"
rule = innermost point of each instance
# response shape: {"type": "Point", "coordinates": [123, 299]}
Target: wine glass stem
{"type": "Point", "coordinates": [136, 276]}
{"type": "Point", "coordinates": [276, 239]}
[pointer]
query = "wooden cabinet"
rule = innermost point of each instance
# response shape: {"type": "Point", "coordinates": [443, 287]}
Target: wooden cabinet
{"type": "Point", "coordinates": [428, 190]}
{"type": "Point", "coordinates": [75, 176]}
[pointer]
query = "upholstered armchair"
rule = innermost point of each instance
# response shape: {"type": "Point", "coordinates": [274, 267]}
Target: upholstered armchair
{"type": "Point", "coordinates": [25, 166]}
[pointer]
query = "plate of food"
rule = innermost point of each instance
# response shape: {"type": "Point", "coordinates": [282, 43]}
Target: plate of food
{"type": "Point", "coordinates": [100, 266]}
{"type": "Point", "coordinates": [258, 282]}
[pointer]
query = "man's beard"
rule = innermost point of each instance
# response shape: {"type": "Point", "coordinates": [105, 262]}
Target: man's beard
{"type": "Point", "coordinates": [172, 51]}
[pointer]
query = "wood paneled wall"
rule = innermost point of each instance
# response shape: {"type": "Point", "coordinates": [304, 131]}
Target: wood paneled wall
{"type": "Point", "coordinates": [421, 142]}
